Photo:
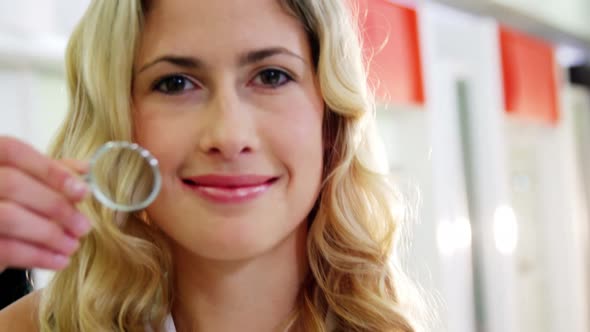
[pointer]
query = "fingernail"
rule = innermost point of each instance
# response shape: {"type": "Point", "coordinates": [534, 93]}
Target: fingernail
{"type": "Point", "coordinates": [81, 224]}
{"type": "Point", "coordinates": [71, 245]}
{"type": "Point", "coordinates": [83, 165]}
{"type": "Point", "coordinates": [75, 188]}
{"type": "Point", "coordinates": [61, 261]}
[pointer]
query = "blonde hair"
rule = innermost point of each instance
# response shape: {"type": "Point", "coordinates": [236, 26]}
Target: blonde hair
{"type": "Point", "coordinates": [120, 279]}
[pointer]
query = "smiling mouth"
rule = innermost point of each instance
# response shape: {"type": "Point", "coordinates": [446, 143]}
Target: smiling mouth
{"type": "Point", "coordinates": [230, 190]}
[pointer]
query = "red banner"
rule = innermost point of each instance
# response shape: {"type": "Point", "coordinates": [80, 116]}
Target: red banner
{"type": "Point", "coordinates": [390, 34]}
{"type": "Point", "coordinates": [530, 78]}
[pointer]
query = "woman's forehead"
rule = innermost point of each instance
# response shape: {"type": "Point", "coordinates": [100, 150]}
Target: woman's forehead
{"type": "Point", "coordinates": [206, 17]}
{"type": "Point", "coordinates": [214, 29]}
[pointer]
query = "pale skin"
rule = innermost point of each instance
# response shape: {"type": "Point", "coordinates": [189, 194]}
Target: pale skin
{"type": "Point", "coordinates": [39, 223]}
{"type": "Point", "coordinates": [227, 88]}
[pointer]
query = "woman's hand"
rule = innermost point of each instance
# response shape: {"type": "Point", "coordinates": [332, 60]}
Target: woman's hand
{"type": "Point", "coordinates": [40, 225]}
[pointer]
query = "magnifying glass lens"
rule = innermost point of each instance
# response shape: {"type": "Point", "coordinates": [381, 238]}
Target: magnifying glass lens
{"type": "Point", "coordinates": [124, 176]}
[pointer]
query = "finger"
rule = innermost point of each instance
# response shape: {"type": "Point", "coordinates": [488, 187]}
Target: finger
{"type": "Point", "coordinates": [21, 189]}
{"type": "Point", "coordinates": [75, 165]}
{"type": "Point", "coordinates": [15, 153]}
{"type": "Point", "coordinates": [23, 225]}
{"type": "Point", "coordinates": [18, 254]}
{"type": "Point", "coordinates": [77, 168]}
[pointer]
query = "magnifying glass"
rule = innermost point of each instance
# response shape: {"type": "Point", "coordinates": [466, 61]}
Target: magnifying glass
{"type": "Point", "coordinates": [124, 176]}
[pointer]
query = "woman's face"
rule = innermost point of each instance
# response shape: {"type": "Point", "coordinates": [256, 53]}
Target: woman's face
{"type": "Point", "coordinates": [225, 96]}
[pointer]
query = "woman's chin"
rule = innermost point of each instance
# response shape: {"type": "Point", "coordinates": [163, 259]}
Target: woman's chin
{"type": "Point", "coordinates": [236, 244]}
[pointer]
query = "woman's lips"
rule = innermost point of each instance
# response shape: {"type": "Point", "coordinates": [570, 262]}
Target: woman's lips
{"type": "Point", "coordinates": [230, 188]}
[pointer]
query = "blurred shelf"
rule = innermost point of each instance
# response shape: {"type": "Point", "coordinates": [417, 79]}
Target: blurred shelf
{"type": "Point", "coordinates": [531, 22]}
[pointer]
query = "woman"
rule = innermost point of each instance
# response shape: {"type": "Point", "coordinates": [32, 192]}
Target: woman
{"type": "Point", "coordinates": [271, 217]}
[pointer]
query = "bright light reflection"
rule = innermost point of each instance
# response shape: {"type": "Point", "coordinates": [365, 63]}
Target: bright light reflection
{"type": "Point", "coordinates": [463, 233]}
{"type": "Point", "coordinates": [444, 238]}
{"type": "Point", "coordinates": [453, 236]}
{"type": "Point", "coordinates": [505, 230]}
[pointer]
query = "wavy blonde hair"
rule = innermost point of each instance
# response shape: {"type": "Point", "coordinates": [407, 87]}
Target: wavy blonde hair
{"type": "Point", "coordinates": [120, 279]}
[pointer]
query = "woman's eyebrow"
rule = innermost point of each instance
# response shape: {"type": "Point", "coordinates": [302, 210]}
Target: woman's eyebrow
{"type": "Point", "coordinates": [177, 60]}
{"type": "Point", "coordinates": [245, 59]}
{"type": "Point", "coordinates": [260, 55]}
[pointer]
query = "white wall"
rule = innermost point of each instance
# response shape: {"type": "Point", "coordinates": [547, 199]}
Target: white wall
{"type": "Point", "coordinates": [479, 289]}
{"type": "Point", "coordinates": [33, 104]}
{"type": "Point", "coordinates": [406, 134]}
{"type": "Point", "coordinates": [33, 36]}
{"type": "Point", "coordinates": [40, 17]}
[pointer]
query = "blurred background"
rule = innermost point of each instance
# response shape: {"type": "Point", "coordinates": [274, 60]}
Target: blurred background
{"type": "Point", "coordinates": [484, 107]}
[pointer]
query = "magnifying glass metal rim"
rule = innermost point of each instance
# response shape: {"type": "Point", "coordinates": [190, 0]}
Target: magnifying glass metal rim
{"type": "Point", "coordinates": [153, 162]}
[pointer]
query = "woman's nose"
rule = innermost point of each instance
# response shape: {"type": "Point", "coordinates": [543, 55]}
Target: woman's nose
{"type": "Point", "coordinates": [229, 128]}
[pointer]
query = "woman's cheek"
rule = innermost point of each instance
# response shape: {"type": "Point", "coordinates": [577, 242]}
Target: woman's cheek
{"type": "Point", "coordinates": [165, 137]}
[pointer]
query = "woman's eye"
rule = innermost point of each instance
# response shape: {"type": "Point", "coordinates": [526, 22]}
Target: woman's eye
{"type": "Point", "coordinates": [272, 78]}
{"type": "Point", "coordinates": [174, 84]}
